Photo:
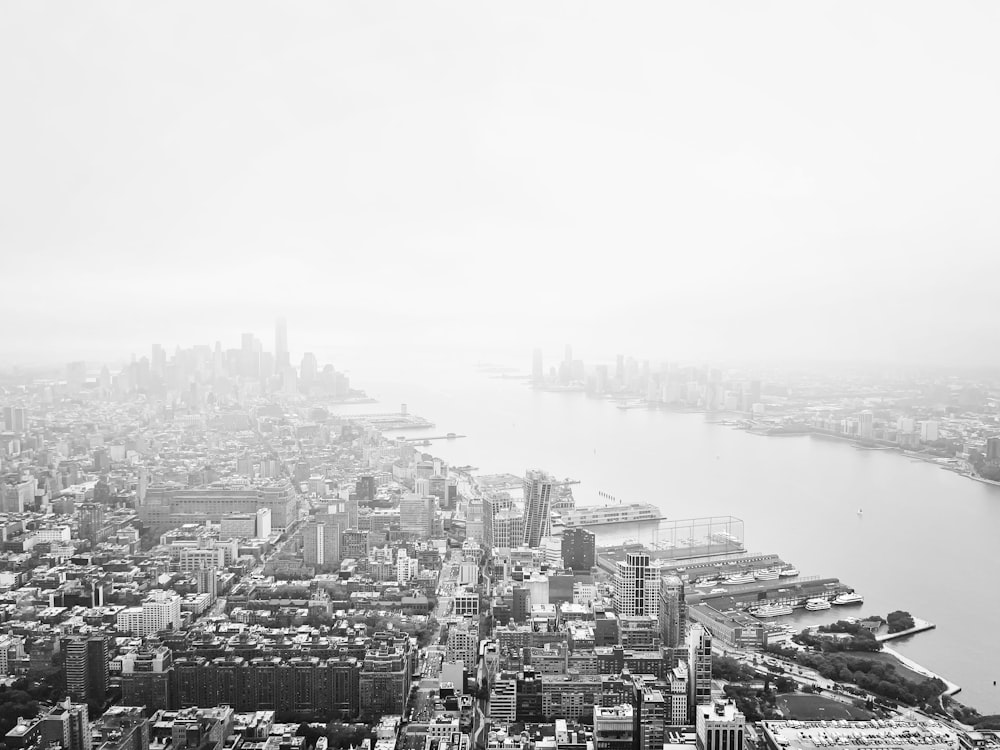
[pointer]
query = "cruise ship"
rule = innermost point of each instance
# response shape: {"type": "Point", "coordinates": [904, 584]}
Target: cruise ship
{"type": "Point", "coordinates": [766, 574]}
{"type": "Point", "coordinates": [815, 605]}
{"type": "Point", "coordinates": [597, 515]}
{"type": "Point", "coordinates": [789, 572]}
{"type": "Point", "coordinates": [772, 610]}
{"type": "Point", "coordinates": [849, 598]}
{"type": "Point", "coordinates": [739, 578]}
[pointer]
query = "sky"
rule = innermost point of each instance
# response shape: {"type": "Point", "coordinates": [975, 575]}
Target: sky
{"type": "Point", "coordinates": [674, 180]}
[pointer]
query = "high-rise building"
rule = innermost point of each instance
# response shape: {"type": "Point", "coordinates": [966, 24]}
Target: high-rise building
{"type": "Point", "coordinates": [147, 677]}
{"type": "Point", "coordinates": [86, 667]}
{"type": "Point", "coordinates": [537, 371]}
{"type": "Point", "coordinates": [929, 431]}
{"type": "Point", "coordinates": [416, 514]}
{"type": "Point", "coordinates": [463, 643]}
{"type": "Point", "coordinates": [67, 726]}
{"type": "Point", "coordinates": [321, 541]}
{"type": "Point", "coordinates": [384, 683]}
{"type": "Point", "coordinates": [308, 369]}
{"type": "Point", "coordinates": [866, 425]}
{"type": "Point", "coordinates": [672, 611]}
{"type": "Point", "coordinates": [537, 500]}
{"type": "Point", "coordinates": [503, 698]}
{"type": "Point", "coordinates": [281, 356]}
{"type": "Point", "coordinates": [91, 516]}
{"type": "Point", "coordinates": [578, 549]}
{"type": "Point", "coordinates": [650, 716]}
{"type": "Point", "coordinates": [720, 726]}
{"type": "Point", "coordinates": [993, 449]}
{"type": "Point", "coordinates": [699, 643]}
{"type": "Point", "coordinates": [637, 584]}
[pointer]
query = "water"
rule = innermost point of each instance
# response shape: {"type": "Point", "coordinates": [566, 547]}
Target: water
{"type": "Point", "coordinates": [925, 543]}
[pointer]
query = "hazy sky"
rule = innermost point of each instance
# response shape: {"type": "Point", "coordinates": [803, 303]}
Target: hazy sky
{"type": "Point", "coordinates": [670, 179]}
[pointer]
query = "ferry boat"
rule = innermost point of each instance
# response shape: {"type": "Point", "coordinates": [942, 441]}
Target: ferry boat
{"type": "Point", "coordinates": [772, 610]}
{"type": "Point", "coordinates": [849, 598]}
{"type": "Point", "coordinates": [739, 578]}
{"type": "Point", "coordinates": [598, 515]}
{"type": "Point", "coordinates": [816, 605]}
{"type": "Point", "coordinates": [789, 572]}
{"type": "Point", "coordinates": [766, 574]}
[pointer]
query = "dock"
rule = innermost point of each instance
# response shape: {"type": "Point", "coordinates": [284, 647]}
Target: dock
{"type": "Point", "coordinates": [919, 626]}
{"type": "Point", "coordinates": [422, 439]}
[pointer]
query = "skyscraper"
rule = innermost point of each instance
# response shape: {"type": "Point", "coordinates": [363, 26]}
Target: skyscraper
{"type": "Point", "coordinates": [281, 357]}
{"type": "Point", "coordinates": [699, 643]}
{"type": "Point", "coordinates": [537, 504]}
{"type": "Point", "coordinates": [416, 514]}
{"type": "Point", "coordinates": [578, 549]}
{"type": "Point", "coordinates": [637, 586]}
{"type": "Point", "coordinates": [673, 611]}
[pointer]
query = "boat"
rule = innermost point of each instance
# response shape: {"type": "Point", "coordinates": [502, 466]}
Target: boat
{"type": "Point", "coordinates": [772, 610]}
{"type": "Point", "coordinates": [816, 605]}
{"type": "Point", "coordinates": [739, 578]}
{"type": "Point", "coordinates": [717, 591]}
{"type": "Point", "coordinates": [788, 572]}
{"type": "Point", "coordinates": [766, 574]}
{"type": "Point", "coordinates": [849, 598]}
{"type": "Point", "coordinates": [705, 584]}
{"type": "Point", "coordinates": [613, 513]}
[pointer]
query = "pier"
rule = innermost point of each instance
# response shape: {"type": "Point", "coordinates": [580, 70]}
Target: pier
{"type": "Point", "coordinates": [450, 436]}
{"type": "Point", "coordinates": [919, 626]}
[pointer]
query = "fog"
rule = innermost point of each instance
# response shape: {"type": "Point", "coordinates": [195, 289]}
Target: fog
{"type": "Point", "coordinates": [766, 180]}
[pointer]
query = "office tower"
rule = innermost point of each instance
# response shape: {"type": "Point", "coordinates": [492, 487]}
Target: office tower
{"type": "Point", "coordinates": [365, 488]}
{"type": "Point", "coordinates": [993, 449]}
{"type": "Point", "coordinates": [929, 431]}
{"type": "Point", "coordinates": [321, 541]}
{"type": "Point", "coordinates": [620, 370]}
{"type": "Point", "coordinates": [67, 726]}
{"type": "Point", "coordinates": [16, 419]}
{"type": "Point", "coordinates": [866, 425]}
{"type": "Point", "coordinates": [699, 643]}
{"type": "Point", "coordinates": [578, 549]}
{"type": "Point", "coordinates": [76, 376]}
{"type": "Point", "coordinates": [158, 361]}
{"type": "Point", "coordinates": [91, 516]}
{"type": "Point", "coordinates": [281, 356]}
{"type": "Point", "coordinates": [416, 514]}
{"type": "Point", "coordinates": [672, 611]}
{"type": "Point", "coordinates": [503, 524]}
{"type": "Point", "coordinates": [637, 583]}
{"type": "Point", "coordinates": [537, 499]}
{"type": "Point", "coordinates": [308, 369]}
{"type": "Point", "coordinates": [720, 726]}
{"type": "Point", "coordinates": [537, 371]}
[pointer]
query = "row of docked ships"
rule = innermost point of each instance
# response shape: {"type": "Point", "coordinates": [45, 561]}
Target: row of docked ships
{"type": "Point", "coordinates": [814, 604]}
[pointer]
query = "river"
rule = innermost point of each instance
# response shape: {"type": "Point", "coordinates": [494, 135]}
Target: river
{"type": "Point", "coordinates": [926, 541]}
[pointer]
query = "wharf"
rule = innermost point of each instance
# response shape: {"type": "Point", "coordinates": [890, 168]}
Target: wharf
{"type": "Point", "coordinates": [919, 626]}
{"type": "Point", "coordinates": [791, 591]}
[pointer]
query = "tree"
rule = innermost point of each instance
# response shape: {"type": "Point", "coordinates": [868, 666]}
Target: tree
{"type": "Point", "coordinates": [899, 621]}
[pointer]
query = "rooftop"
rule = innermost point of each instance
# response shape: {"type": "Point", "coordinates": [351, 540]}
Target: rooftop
{"type": "Point", "coordinates": [859, 734]}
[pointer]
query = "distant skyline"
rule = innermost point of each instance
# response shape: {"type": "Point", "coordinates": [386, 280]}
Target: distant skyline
{"type": "Point", "coordinates": [780, 181]}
